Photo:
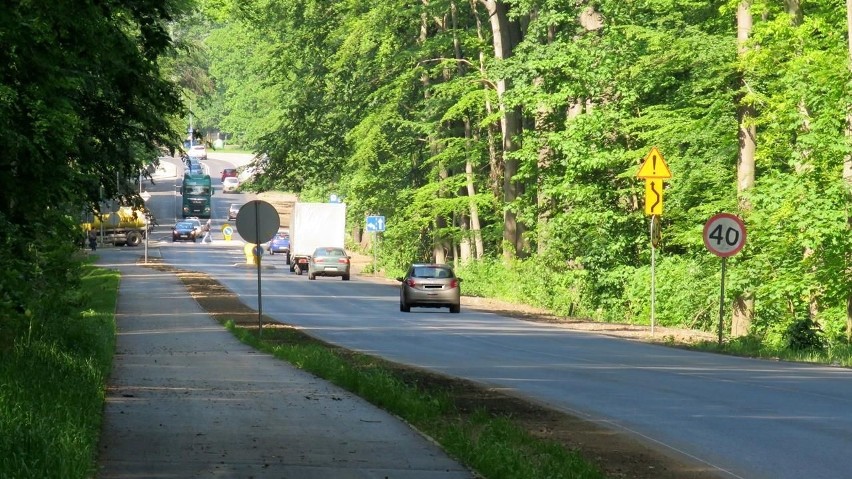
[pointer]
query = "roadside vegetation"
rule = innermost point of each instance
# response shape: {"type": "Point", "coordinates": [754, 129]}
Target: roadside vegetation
{"type": "Point", "coordinates": [506, 136]}
{"type": "Point", "coordinates": [52, 379]}
{"type": "Point", "coordinates": [787, 350]}
{"type": "Point", "coordinates": [493, 445]}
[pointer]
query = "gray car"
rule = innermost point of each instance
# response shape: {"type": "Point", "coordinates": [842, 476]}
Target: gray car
{"type": "Point", "coordinates": [430, 286]}
{"type": "Point", "coordinates": [329, 261]}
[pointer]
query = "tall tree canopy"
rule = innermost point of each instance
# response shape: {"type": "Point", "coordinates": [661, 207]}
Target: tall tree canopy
{"type": "Point", "coordinates": [83, 106]}
{"type": "Point", "coordinates": [532, 116]}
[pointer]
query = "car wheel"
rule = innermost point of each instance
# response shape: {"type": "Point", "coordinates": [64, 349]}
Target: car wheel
{"type": "Point", "coordinates": [345, 277]}
{"type": "Point", "coordinates": [271, 253]}
{"type": "Point", "coordinates": [404, 307]}
{"type": "Point", "coordinates": [456, 308]}
{"type": "Point", "coordinates": [298, 270]}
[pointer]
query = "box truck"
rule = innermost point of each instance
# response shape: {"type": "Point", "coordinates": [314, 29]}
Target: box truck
{"type": "Point", "coordinates": [313, 225]}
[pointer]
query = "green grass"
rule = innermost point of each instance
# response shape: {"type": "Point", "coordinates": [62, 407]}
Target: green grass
{"type": "Point", "coordinates": [835, 355]}
{"type": "Point", "coordinates": [52, 388]}
{"type": "Point", "coordinates": [233, 149]}
{"type": "Point", "coordinates": [491, 444]}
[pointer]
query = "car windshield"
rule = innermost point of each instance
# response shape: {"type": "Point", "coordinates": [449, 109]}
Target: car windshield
{"type": "Point", "coordinates": [197, 190]}
{"type": "Point", "coordinates": [183, 226]}
{"type": "Point", "coordinates": [431, 272]}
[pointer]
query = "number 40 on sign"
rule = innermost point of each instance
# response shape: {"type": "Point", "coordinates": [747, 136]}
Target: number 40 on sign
{"type": "Point", "coordinates": [724, 235]}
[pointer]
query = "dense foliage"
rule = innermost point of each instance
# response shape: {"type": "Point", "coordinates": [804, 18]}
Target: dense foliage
{"type": "Point", "coordinates": [84, 106]}
{"type": "Point", "coordinates": [474, 148]}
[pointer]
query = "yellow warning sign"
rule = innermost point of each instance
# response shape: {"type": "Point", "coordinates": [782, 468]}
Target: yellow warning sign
{"type": "Point", "coordinates": [654, 166]}
{"type": "Point", "coordinates": [653, 196]}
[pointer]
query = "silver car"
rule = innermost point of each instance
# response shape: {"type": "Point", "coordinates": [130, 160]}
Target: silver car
{"type": "Point", "coordinates": [430, 286]}
{"type": "Point", "coordinates": [233, 210]}
{"type": "Point", "coordinates": [329, 261]}
{"type": "Point", "coordinates": [196, 225]}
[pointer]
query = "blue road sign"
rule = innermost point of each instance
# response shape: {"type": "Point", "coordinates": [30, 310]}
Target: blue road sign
{"type": "Point", "coordinates": [375, 223]}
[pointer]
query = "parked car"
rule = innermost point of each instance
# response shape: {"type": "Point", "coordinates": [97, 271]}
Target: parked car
{"type": "Point", "coordinates": [280, 243]}
{"type": "Point", "coordinates": [329, 261]}
{"type": "Point", "coordinates": [430, 286]}
{"type": "Point", "coordinates": [230, 185]}
{"type": "Point", "coordinates": [198, 151]}
{"type": "Point", "coordinates": [229, 172]}
{"type": "Point", "coordinates": [184, 231]}
{"type": "Point", "coordinates": [233, 210]}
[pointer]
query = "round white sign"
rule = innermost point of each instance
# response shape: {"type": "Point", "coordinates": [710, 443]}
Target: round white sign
{"type": "Point", "coordinates": [257, 221]}
{"type": "Point", "coordinates": [724, 234]}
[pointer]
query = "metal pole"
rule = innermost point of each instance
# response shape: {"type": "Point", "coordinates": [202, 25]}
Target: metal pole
{"type": "Point", "coordinates": [722, 301]}
{"type": "Point", "coordinates": [375, 245]}
{"type": "Point", "coordinates": [147, 234]}
{"type": "Point", "coordinates": [257, 252]}
{"type": "Point", "coordinates": [653, 287]}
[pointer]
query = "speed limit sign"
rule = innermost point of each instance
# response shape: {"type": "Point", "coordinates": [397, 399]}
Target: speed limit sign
{"type": "Point", "coordinates": [724, 234]}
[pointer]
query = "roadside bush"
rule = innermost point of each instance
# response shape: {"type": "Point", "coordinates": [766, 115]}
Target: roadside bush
{"type": "Point", "coordinates": [804, 335]}
{"type": "Point", "coordinates": [535, 282]}
{"type": "Point", "coordinates": [687, 294]}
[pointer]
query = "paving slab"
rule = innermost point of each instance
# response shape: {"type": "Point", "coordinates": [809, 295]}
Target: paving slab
{"type": "Point", "coordinates": [186, 399]}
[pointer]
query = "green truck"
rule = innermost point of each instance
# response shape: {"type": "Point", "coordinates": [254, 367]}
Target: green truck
{"type": "Point", "coordinates": [197, 193]}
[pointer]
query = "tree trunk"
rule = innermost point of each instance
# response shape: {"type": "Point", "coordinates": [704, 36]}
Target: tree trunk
{"type": "Point", "coordinates": [505, 35]}
{"type": "Point", "coordinates": [439, 243]}
{"type": "Point", "coordinates": [494, 158]}
{"type": "Point", "coordinates": [847, 177]}
{"type": "Point", "coordinates": [475, 227]}
{"type": "Point", "coordinates": [471, 243]}
{"type": "Point", "coordinates": [743, 307]}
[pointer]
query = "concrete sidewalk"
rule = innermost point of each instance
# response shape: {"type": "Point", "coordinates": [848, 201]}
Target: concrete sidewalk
{"type": "Point", "coordinates": [186, 399]}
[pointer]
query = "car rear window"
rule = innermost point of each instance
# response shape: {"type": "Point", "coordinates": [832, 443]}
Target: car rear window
{"type": "Point", "coordinates": [329, 252]}
{"type": "Point", "coordinates": [432, 272]}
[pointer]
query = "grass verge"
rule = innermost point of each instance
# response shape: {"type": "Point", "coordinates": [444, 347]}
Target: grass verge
{"type": "Point", "coordinates": [749, 347]}
{"type": "Point", "coordinates": [492, 445]}
{"type": "Point", "coordinates": [52, 388]}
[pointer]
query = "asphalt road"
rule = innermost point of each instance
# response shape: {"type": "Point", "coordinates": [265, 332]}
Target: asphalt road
{"type": "Point", "coordinates": [746, 418]}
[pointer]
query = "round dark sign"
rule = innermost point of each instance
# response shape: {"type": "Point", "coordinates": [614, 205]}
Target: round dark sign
{"type": "Point", "coordinates": [257, 221]}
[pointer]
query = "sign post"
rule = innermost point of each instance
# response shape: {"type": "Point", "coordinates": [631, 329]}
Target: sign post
{"type": "Point", "coordinates": [724, 235]}
{"type": "Point", "coordinates": [375, 224]}
{"type": "Point", "coordinates": [654, 170]}
{"type": "Point", "coordinates": [145, 197]}
{"type": "Point", "coordinates": [257, 221]}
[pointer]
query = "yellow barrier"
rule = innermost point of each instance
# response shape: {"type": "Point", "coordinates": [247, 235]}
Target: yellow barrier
{"type": "Point", "coordinates": [252, 256]}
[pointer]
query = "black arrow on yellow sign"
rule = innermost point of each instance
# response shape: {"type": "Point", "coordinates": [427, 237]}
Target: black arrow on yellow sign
{"type": "Point", "coordinates": [654, 196]}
